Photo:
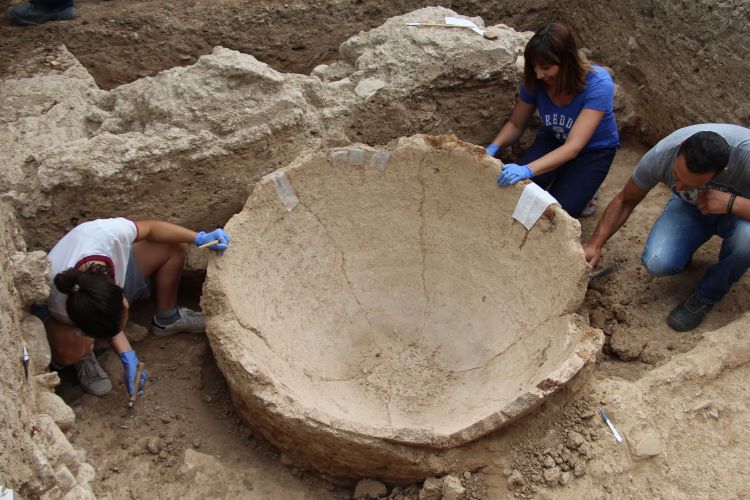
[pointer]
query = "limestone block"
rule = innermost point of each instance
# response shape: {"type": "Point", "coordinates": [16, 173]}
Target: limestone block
{"type": "Point", "coordinates": [80, 492]}
{"type": "Point", "coordinates": [53, 442]}
{"type": "Point", "coordinates": [53, 405]}
{"type": "Point", "coordinates": [452, 488]}
{"type": "Point", "coordinates": [196, 463]}
{"type": "Point", "coordinates": [47, 381]}
{"type": "Point", "coordinates": [86, 473]}
{"type": "Point", "coordinates": [54, 493]}
{"type": "Point", "coordinates": [369, 489]}
{"type": "Point", "coordinates": [37, 344]}
{"type": "Point", "coordinates": [432, 489]}
{"type": "Point", "coordinates": [44, 474]}
{"type": "Point", "coordinates": [368, 87]}
{"type": "Point", "coordinates": [30, 272]}
{"type": "Point", "coordinates": [552, 476]}
{"type": "Point", "coordinates": [65, 479]}
{"type": "Point", "coordinates": [647, 445]}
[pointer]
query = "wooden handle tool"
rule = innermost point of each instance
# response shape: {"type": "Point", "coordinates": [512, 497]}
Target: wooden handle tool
{"type": "Point", "coordinates": [209, 244]}
{"type": "Point", "coordinates": [132, 399]}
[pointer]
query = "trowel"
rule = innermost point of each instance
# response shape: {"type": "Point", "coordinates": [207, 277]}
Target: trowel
{"type": "Point", "coordinates": [456, 22]}
{"type": "Point", "coordinates": [603, 272]}
{"type": "Point", "coordinates": [134, 397]}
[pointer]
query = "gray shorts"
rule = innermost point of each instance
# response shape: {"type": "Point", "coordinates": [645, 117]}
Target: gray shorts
{"type": "Point", "coordinates": [136, 287]}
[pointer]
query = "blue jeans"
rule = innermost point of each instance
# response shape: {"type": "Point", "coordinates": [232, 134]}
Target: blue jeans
{"type": "Point", "coordinates": [574, 183]}
{"type": "Point", "coordinates": [681, 229]}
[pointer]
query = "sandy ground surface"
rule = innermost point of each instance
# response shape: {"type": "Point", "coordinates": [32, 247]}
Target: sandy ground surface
{"type": "Point", "coordinates": [187, 406]}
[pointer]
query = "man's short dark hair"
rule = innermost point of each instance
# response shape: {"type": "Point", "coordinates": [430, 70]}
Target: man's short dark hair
{"type": "Point", "coordinates": [705, 152]}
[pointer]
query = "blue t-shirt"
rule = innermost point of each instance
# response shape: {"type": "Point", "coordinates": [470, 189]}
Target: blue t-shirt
{"type": "Point", "coordinates": [599, 94]}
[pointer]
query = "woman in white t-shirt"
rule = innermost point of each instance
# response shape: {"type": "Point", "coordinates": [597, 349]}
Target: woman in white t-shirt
{"type": "Point", "coordinates": [100, 267]}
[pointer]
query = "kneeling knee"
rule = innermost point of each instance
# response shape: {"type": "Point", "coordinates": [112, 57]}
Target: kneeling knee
{"type": "Point", "coordinates": [660, 267]}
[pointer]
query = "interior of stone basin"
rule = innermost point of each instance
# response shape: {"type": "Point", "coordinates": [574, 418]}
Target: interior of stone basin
{"type": "Point", "coordinates": [391, 293]}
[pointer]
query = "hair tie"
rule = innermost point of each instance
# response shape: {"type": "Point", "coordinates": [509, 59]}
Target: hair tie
{"type": "Point", "coordinates": [76, 287]}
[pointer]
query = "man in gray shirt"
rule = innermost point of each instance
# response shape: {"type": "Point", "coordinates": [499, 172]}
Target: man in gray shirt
{"type": "Point", "coordinates": [707, 167]}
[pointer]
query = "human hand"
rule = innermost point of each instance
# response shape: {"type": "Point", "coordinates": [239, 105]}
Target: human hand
{"type": "Point", "coordinates": [493, 149]}
{"type": "Point", "coordinates": [592, 254]}
{"type": "Point", "coordinates": [130, 364]}
{"type": "Point", "coordinates": [512, 173]}
{"type": "Point", "coordinates": [217, 234]}
{"type": "Point", "coordinates": [713, 202]}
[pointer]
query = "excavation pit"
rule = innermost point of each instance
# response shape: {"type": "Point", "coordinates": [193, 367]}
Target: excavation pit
{"type": "Point", "coordinates": [380, 308]}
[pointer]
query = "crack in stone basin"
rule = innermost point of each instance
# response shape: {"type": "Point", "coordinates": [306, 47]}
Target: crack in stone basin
{"type": "Point", "coordinates": [379, 307]}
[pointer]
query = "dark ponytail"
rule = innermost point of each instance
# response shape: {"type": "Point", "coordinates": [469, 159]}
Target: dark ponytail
{"type": "Point", "coordinates": [94, 302]}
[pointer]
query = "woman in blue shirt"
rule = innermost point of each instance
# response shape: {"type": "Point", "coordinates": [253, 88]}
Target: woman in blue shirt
{"type": "Point", "coordinates": [574, 149]}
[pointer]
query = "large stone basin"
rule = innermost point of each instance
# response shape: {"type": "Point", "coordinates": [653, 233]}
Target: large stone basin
{"type": "Point", "coordinates": [378, 308]}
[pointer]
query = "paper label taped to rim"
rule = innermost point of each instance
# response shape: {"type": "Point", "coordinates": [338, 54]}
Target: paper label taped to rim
{"type": "Point", "coordinates": [284, 190]}
{"type": "Point", "coordinates": [532, 204]}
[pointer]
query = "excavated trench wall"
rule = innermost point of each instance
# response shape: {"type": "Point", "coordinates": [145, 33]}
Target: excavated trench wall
{"type": "Point", "coordinates": [188, 144]}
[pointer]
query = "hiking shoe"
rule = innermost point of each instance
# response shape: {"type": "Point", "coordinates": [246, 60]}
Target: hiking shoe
{"type": "Point", "coordinates": [590, 207]}
{"type": "Point", "coordinates": [30, 13]}
{"type": "Point", "coordinates": [92, 377]}
{"type": "Point", "coordinates": [189, 322]}
{"type": "Point", "coordinates": [689, 314]}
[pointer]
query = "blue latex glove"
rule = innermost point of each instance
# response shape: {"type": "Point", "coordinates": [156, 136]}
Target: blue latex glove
{"type": "Point", "coordinates": [492, 149]}
{"type": "Point", "coordinates": [130, 363]}
{"type": "Point", "coordinates": [217, 234]}
{"type": "Point", "coordinates": [513, 173]}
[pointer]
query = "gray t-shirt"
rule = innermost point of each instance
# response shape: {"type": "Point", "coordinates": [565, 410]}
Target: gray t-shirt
{"type": "Point", "coordinates": [656, 165]}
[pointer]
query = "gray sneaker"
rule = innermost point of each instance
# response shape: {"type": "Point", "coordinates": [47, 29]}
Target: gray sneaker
{"type": "Point", "coordinates": [189, 322]}
{"type": "Point", "coordinates": [92, 377]}
{"type": "Point", "coordinates": [29, 13]}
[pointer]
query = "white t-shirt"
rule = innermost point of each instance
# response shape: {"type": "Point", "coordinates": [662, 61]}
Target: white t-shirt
{"type": "Point", "coordinates": [107, 240]}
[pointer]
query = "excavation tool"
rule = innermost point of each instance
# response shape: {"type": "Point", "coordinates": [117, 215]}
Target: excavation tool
{"type": "Point", "coordinates": [132, 399]}
{"type": "Point", "coordinates": [603, 272]}
{"type": "Point", "coordinates": [26, 358]}
{"type": "Point", "coordinates": [209, 244]}
{"type": "Point", "coordinates": [455, 22]}
{"type": "Point", "coordinates": [610, 425]}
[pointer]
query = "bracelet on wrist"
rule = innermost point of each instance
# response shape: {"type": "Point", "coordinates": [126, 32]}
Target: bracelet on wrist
{"type": "Point", "coordinates": [730, 203]}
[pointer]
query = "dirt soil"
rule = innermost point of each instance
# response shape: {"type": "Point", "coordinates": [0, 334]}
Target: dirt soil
{"type": "Point", "coordinates": [187, 408]}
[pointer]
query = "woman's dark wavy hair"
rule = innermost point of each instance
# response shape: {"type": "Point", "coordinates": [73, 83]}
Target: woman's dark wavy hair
{"type": "Point", "coordinates": [555, 44]}
{"type": "Point", "coordinates": [94, 302]}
